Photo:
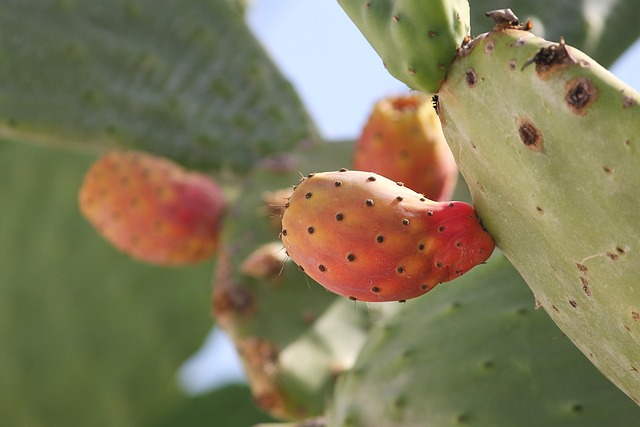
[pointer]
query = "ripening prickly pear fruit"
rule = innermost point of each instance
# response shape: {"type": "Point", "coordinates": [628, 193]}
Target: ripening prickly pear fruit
{"type": "Point", "coordinates": [152, 209]}
{"type": "Point", "coordinates": [366, 237]}
{"type": "Point", "coordinates": [416, 39]}
{"type": "Point", "coordinates": [403, 141]}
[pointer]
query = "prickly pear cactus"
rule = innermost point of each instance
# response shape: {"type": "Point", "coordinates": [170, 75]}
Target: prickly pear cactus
{"type": "Point", "coordinates": [554, 171]}
{"type": "Point", "coordinates": [403, 141]}
{"type": "Point", "coordinates": [475, 354]}
{"type": "Point", "coordinates": [368, 238]}
{"type": "Point", "coordinates": [417, 40]}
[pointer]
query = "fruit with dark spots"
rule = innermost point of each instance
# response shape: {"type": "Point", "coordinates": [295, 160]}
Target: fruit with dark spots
{"type": "Point", "coordinates": [153, 209]}
{"type": "Point", "coordinates": [403, 141]}
{"type": "Point", "coordinates": [392, 250]}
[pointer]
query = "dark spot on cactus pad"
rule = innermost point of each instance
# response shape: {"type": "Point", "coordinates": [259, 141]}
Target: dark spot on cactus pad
{"type": "Point", "coordinates": [369, 202]}
{"type": "Point", "coordinates": [311, 175]}
{"type": "Point", "coordinates": [308, 195]}
{"type": "Point", "coordinates": [405, 221]}
{"type": "Point", "coordinates": [310, 230]}
{"type": "Point", "coordinates": [555, 308]}
{"type": "Point", "coordinates": [512, 64]}
{"type": "Point", "coordinates": [470, 77]}
{"type": "Point", "coordinates": [424, 286]}
{"type": "Point", "coordinates": [585, 286]}
{"type": "Point", "coordinates": [353, 298]}
{"type": "Point", "coordinates": [412, 72]}
{"type": "Point", "coordinates": [539, 210]}
{"type": "Point", "coordinates": [321, 268]}
{"type": "Point", "coordinates": [438, 264]}
{"type": "Point", "coordinates": [488, 364]}
{"type": "Point", "coordinates": [635, 315]}
{"type": "Point", "coordinates": [422, 199]}
{"type": "Point", "coordinates": [351, 257]}
{"type": "Point", "coordinates": [577, 408]}
{"type": "Point", "coordinates": [402, 301]}
{"type": "Point", "coordinates": [395, 18]}
{"type": "Point", "coordinates": [620, 250]}
{"type": "Point", "coordinates": [400, 269]}
{"type": "Point", "coordinates": [371, 178]}
{"type": "Point", "coordinates": [581, 267]}
{"type": "Point", "coordinates": [343, 170]}
{"type": "Point", "coordinates": [550, 58]}
{"type": "Point", "coordinates": [459, 244]}
{"type": "Point", "coordinates": [488, 48]}
{"type": "Point", "coordinates": [301, 268]}
{"type": "Point", "coordinates": [628, 101]}
{"type": "Point", "coordinates": [441, 228]}
{"type": "Point", "coordinates": [462, 418]}
{"type": "Point", "coordinates": [421, 247]}
{"type": "Point", "coordinates": [529, 134]}
{"type": "Point", "coordinates": [234, 300]}
{"type": "Point", "coordinates": [375, 289]}
{"type": "Point", "coordinates": [399, 198]}
{"type": "Point", "coordinates": [379, 239]}
{"type": "Point", "coordinates": [607, 170]}
{"type": "Point", "coordinates": [580, 94]}
{"type": "Point", "coordinates": [337, 183]}
{"type": "Point", "coordinates": [430, 213]}
{"type": "Point", "coordinates": [451, 205]}
{"type": "Point", "coordinates": [339, 217]}
{"type": "Point", "coordinates": [432, 34]}
{"type": "Point", "coordinates": [614, 257]}
{"type": "Point", "coordinates": [573, 303]}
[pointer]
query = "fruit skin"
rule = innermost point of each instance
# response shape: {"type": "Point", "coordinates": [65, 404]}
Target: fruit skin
{"type": "Point", "coordinates": [366, 237]}
{"type": "Point", "coordinates": [153, 209]}
{"type": "Point", "coordinates": [403, 141]}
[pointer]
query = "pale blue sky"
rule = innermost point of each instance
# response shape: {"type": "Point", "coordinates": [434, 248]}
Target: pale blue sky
{"type": "Point", "coordinates": [339, 77]}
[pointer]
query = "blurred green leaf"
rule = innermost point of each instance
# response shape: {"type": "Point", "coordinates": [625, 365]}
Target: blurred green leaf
{"type": "Point", "coordinates": [603, 29]}
{"type": "Point", "coordinates": [232, 406]}
{"type": "Point", "coordinates": [186, 80]}
{"type": "Point", "coordinates": [88, 337]}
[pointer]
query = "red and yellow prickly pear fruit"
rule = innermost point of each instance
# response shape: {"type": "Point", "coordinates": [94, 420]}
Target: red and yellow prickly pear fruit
{"type": "Point", "coordinates": [366, 237]}
{"type": "Point", "coordinates": [153, 209]}
{"type": "Point", "coordinates": [403, 141]}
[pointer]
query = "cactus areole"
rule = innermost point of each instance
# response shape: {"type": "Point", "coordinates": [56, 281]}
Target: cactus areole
{"type": "Point", "coordinates": [368, 238]}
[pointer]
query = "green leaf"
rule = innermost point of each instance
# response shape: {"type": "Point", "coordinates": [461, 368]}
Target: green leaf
{"type": "Point", "coordinates": [227, 407]}
{"type": "Point", "coordinates": [89, 337]}
{"type": "Point", "coordinates": [186, 80]}
{"type": "Point", "coordinates": [602, 29]}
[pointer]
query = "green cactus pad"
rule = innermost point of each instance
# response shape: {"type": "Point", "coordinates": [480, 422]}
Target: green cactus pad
{"type": "Point", "coordinates": [475, 352]}
{"type": "Point", "coordinates": [186, 80]}
{"type": "Point", "coordinates": [417, 40]}
{"type": "Point", "coordinates": [548, 142]}
{"type": "Point", "coordinates": [601, 29]}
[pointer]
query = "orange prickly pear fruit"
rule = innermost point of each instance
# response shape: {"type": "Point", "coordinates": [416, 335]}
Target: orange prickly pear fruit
{"type": "Point", "coordinates": [153, 209]}
{"type": "Point", "coordinates": [366, 237]}
{"type": "Point", "coordinates": [403, 141]}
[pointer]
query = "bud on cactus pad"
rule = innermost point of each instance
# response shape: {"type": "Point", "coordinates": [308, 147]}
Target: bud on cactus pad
{"type": "Point", "coordinates": [403, 141]}
{"type": "Point", "coordinates": [417, 40]}
{"type": "Point", "coordinates": [366, 237]}
{"type": "Point", "coordinates": [152, 209]}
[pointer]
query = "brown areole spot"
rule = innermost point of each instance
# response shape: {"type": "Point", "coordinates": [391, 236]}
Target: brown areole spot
{"type": "Point", "coordinates": [580, 94]}
{"type": "Point", "coordinates": [529, 134]}
{"type": "Point", "coordinates": [470, 77]}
